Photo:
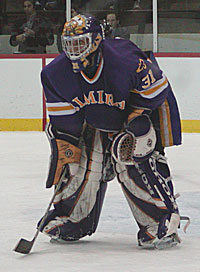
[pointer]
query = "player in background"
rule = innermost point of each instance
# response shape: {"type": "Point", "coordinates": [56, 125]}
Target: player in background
{"type": "Point", "coordinates": [112, 112]}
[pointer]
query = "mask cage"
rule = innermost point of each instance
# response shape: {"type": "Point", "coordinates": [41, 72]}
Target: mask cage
{"type": "Point", "coordinates": [77, 46]}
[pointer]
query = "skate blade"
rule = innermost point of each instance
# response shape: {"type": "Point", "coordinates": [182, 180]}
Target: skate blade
{"type": "Point", "coordinates": [166, 242]}
{"type": "Point", "coordinates": [163, 243]}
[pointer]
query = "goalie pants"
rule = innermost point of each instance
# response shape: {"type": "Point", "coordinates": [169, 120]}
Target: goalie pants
{"type": "Point", "coordinates": [78, 204]}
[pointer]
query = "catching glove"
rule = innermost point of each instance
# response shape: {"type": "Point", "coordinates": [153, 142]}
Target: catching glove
{"type": "Point", "coordinates": [136, 143]}
{"type": "Point", "coordinates": [63, 154]}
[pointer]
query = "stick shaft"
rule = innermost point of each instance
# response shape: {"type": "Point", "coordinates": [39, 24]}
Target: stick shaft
{"type": "Point", "coordinates": [49, 206]}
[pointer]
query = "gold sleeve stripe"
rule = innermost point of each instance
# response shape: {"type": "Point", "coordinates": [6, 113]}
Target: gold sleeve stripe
{"type": "Point", "coordinates": [61, 108]}
{"type": "Point", "coordinates": [161, 126]}
{"type": "Point", "coordinates": [169, 124]}
{"type": "Point", "coordinates": [151, 90]}
{"type": "Point", "coordinates": [165, 125]}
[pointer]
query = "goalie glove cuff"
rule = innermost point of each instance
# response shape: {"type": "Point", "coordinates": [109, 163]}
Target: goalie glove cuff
{"type": "Point", "coordinates": [144, 135]}
{"type": "Point", "coordinates": [139, 125]}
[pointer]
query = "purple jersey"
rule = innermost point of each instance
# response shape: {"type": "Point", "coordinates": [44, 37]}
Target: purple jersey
{"type": "Point", "coordinates": [125, 79]}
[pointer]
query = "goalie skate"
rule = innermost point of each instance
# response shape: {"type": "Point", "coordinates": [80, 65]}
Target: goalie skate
{"type": "Point", "coordinates": [163, 236]}
{"type": "Point", "coordinates": [167, 242]}
{"type": "Point", "coordinates": [163, 243]}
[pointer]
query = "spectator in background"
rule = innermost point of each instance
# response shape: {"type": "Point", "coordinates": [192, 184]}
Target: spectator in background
{"type": "Point", "coordinates": [117, 31]}
{"type": "Point", "coordinates": [136, 4]}
{"type": "Point", "coordinates": [33, 33]}
{"type": "Point", "coordinates": [47, 4]}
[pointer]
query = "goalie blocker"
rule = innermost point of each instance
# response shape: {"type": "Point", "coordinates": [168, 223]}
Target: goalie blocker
{"type": "Point", "coordinates": [65, 153]}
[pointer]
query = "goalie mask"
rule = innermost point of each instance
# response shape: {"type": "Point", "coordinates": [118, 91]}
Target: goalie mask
{"type": "Point", "coordinates": [81, 37]}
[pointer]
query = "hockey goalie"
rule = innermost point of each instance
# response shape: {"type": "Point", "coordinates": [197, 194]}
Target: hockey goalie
{"type": "Point", "coordinates": [112, 113]}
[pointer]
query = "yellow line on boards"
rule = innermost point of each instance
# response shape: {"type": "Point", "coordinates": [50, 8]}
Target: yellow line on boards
{"type": "Point", "coordinates": [20, 124]}
{"type": "Point", "coordinates": [191, 126]}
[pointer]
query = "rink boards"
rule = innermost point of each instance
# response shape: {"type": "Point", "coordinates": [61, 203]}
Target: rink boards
{"type": "Point", "coordinates": [22, 104]}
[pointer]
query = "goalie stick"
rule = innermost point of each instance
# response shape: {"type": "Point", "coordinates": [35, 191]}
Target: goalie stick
{"type": "Point", "coordinates": [24, 246]}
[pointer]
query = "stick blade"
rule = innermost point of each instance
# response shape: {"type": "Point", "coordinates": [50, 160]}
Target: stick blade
{"type": "Point", "coordinates": [24, 246]}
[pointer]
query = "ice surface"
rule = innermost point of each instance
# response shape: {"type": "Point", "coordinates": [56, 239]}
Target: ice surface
{"type": "Point", "coordinates": [24, 199]}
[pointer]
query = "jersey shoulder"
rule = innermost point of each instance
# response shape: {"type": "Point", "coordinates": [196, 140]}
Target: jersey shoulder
{"type": "Point", "coordinates": [122, 52]}
{"type": "Point", "coordinates": [58, 65]}
{"type": "Point", "coordinates": [58, 80]}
